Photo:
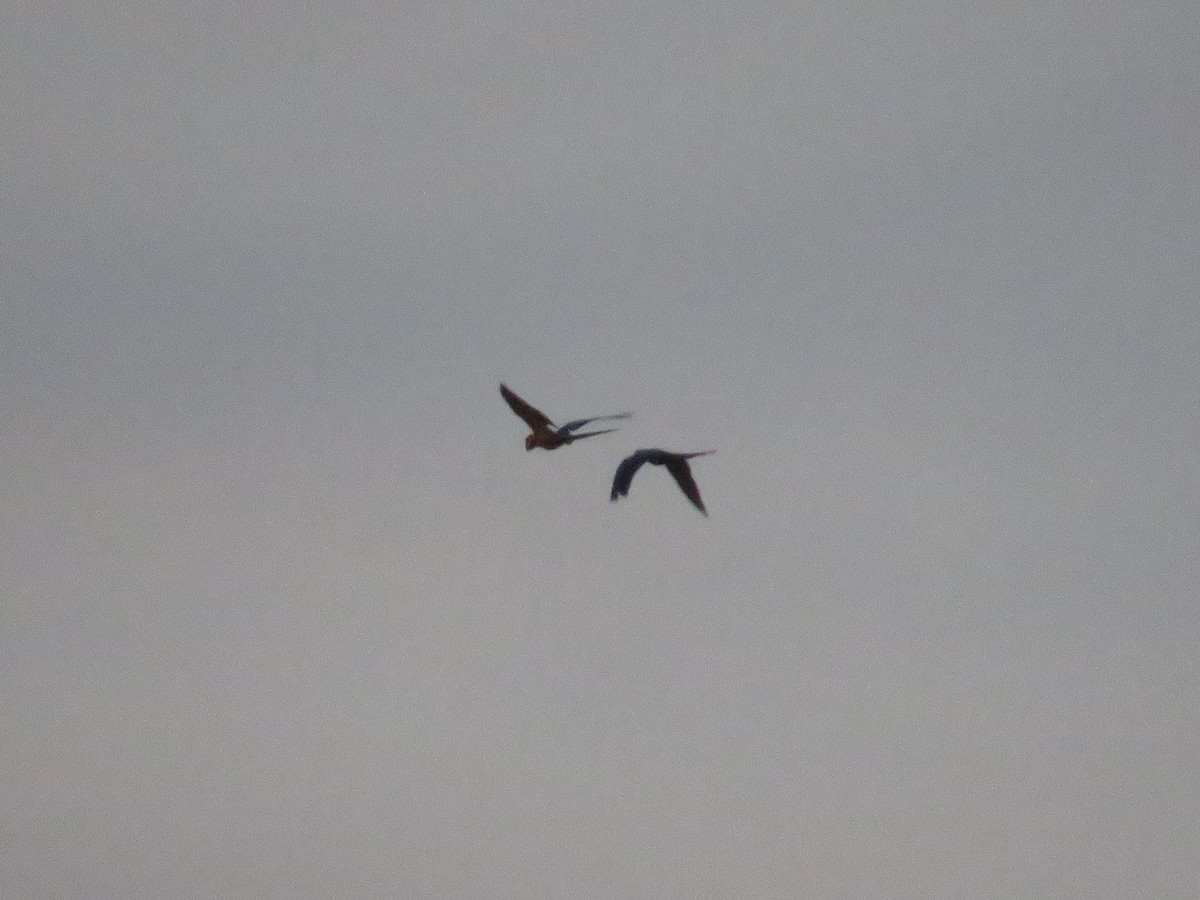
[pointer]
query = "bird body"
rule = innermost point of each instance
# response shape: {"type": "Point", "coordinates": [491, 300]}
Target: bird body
{"type": "Point", "coordinates": [543, 432]}
{"type": "Point", "coordinates": [677, 465]}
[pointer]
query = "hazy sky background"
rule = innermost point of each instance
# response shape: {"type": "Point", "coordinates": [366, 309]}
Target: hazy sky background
{"type": "Point", "coordinates": [288, 611]}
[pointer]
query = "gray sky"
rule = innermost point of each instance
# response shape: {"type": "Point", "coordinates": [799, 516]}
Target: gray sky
{"type": "Point", "coordinates": [288, 611]}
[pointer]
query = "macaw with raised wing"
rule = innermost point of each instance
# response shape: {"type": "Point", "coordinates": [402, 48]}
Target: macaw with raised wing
{"type": "Point", "coordinates": [544, 433]}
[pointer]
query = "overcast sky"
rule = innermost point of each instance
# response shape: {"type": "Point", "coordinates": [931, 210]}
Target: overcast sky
{"type": "Point", "coordinates": [287, 609]}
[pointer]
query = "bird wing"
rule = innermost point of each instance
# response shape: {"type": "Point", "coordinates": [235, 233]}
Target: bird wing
{"type": "Point", "coordinates": [584, 434]}
{"type": "Point", "coordinates": [579, 423]}
{"type": "Point", "coordinates": [625, 472]}
{"type": "Point", "coordinates": [682, 473]}
{"type": "Point", "coordinates": [535, 419]}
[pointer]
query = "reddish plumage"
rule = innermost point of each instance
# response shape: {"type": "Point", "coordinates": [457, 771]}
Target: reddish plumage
{"type": "Point", "coordinates": [543, 432]}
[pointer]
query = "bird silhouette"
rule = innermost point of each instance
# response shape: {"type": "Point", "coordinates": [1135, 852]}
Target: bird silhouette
{"type": "Point", "coordinates": [544, 433]}
{"type": "Point", "coordinates": [677, 465]}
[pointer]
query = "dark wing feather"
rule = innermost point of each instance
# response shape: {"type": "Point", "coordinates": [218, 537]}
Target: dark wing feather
{"type": "Point", "coordinates": [682, 472]}
{"type": "Point", "coordinates": [579, 423]}
{"type": "Point", "coordinates": [584, 434]}
{"type": "Point", "coordinates": [625, 472]}
{"type": "Point", "coordinates": [534, 418]}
